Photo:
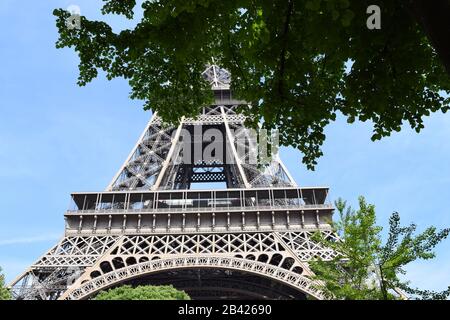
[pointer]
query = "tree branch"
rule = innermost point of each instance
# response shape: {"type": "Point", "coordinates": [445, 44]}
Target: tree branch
{"type": "Point", "coordinates": [283, 50]}
{"type": "Point", "coordinates": [434, 18]}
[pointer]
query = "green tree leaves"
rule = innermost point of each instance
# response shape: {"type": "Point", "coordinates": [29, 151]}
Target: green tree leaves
{"type": "Point", "coordinates": [143, 293]}
{"type": "Point", "coordinates": [4, 292]}
{"type": "Point", "coordinates": [124, 7]}
{"type": "Point", "coordinates": [299, 63]}
{"type": "Point", "coordinates": [367, 268]}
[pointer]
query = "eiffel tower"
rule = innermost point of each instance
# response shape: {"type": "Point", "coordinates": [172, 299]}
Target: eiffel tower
{"type": "Point", "coordinates": [245, 235]}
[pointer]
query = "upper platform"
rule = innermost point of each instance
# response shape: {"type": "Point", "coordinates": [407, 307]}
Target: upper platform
{"type": "Point", "coordinates": [199, 211]}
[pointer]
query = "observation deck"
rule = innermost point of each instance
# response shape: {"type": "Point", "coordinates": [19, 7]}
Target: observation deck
{"type": "Point", "coordinates": [187, 211]}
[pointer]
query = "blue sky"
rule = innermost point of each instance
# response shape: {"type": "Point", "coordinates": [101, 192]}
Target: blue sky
{"type": "Point", "coordinates": [57, 138]}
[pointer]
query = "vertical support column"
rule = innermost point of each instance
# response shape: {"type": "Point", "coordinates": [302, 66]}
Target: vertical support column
{"type": "Point", "coordinates": [124, 223]}
{"type": "Point", "coordinates": [84, 202]}
{"type": "Point", "coordinates": [80, 226]}
{"type": "Point", "coordinates": [98, 200]}
{"type": "Point", "coordinates": [241, 198]}
{"type": "Point", "coordinates": [153, 199]}
{"type": "Point", "coordinates": [139, 223]}
{"type": "Point", "coordinates": [302, 213]}
{"type": "Point", "coordinates": [95, 224]}
{"type": "Point", "coordinates": [127, 201]}
{"type": "Point", "coordinates": [288, 220]}
{"type": "Point", "coordinates": [258, 220]}
{"type": "Point", "coordinates": [168, 159]}
{"type": "Point", "coordinates": [273, 220]}
{"type": "Point", "coordinates": [233, 149]}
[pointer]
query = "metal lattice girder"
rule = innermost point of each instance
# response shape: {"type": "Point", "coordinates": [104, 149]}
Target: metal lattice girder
{"type": "Point", "coordinates": [146, 160]}
{"type": "Point", "coordinates": [76, 251]}
{"type": "Point", "coordinates": [155, 162]}
{"type": "Point", "coordinates": [217, 77]}
{"type": "Point", "coordinates": [279, 251]}
{"type": "Point", "coordinates": [261, 252]}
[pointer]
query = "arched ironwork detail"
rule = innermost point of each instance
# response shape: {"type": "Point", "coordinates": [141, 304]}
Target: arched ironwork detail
{"type": "Point", "coordinates": [292, 279]}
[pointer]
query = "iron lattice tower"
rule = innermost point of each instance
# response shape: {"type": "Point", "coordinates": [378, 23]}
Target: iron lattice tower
{"type": "Point", "coordinates": [248, 240]}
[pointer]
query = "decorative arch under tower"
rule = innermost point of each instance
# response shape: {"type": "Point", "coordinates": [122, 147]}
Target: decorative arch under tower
{"type": "Point", "coordinates": [156, 224]}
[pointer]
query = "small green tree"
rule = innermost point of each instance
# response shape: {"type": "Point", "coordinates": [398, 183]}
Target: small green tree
{"type": "Point", "coordinates": [367, 267]}
{"type": "Point", "coordinates": [4, 292]}
{"type": "Point", "coordinates": [143, 293]}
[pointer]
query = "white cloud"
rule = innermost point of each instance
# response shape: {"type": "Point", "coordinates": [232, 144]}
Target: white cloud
{"type": "Point", "coordinates": [25, 240]}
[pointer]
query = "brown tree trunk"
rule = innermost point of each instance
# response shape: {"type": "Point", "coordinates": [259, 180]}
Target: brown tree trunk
{"type": "Point", "coordinates": [434, 18]}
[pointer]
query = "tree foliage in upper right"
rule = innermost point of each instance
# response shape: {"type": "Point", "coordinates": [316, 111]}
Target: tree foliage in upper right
{"type": "Point", "coordinates": [143, 293]}
{"type": "Point", "coordinates": [298, 62]}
